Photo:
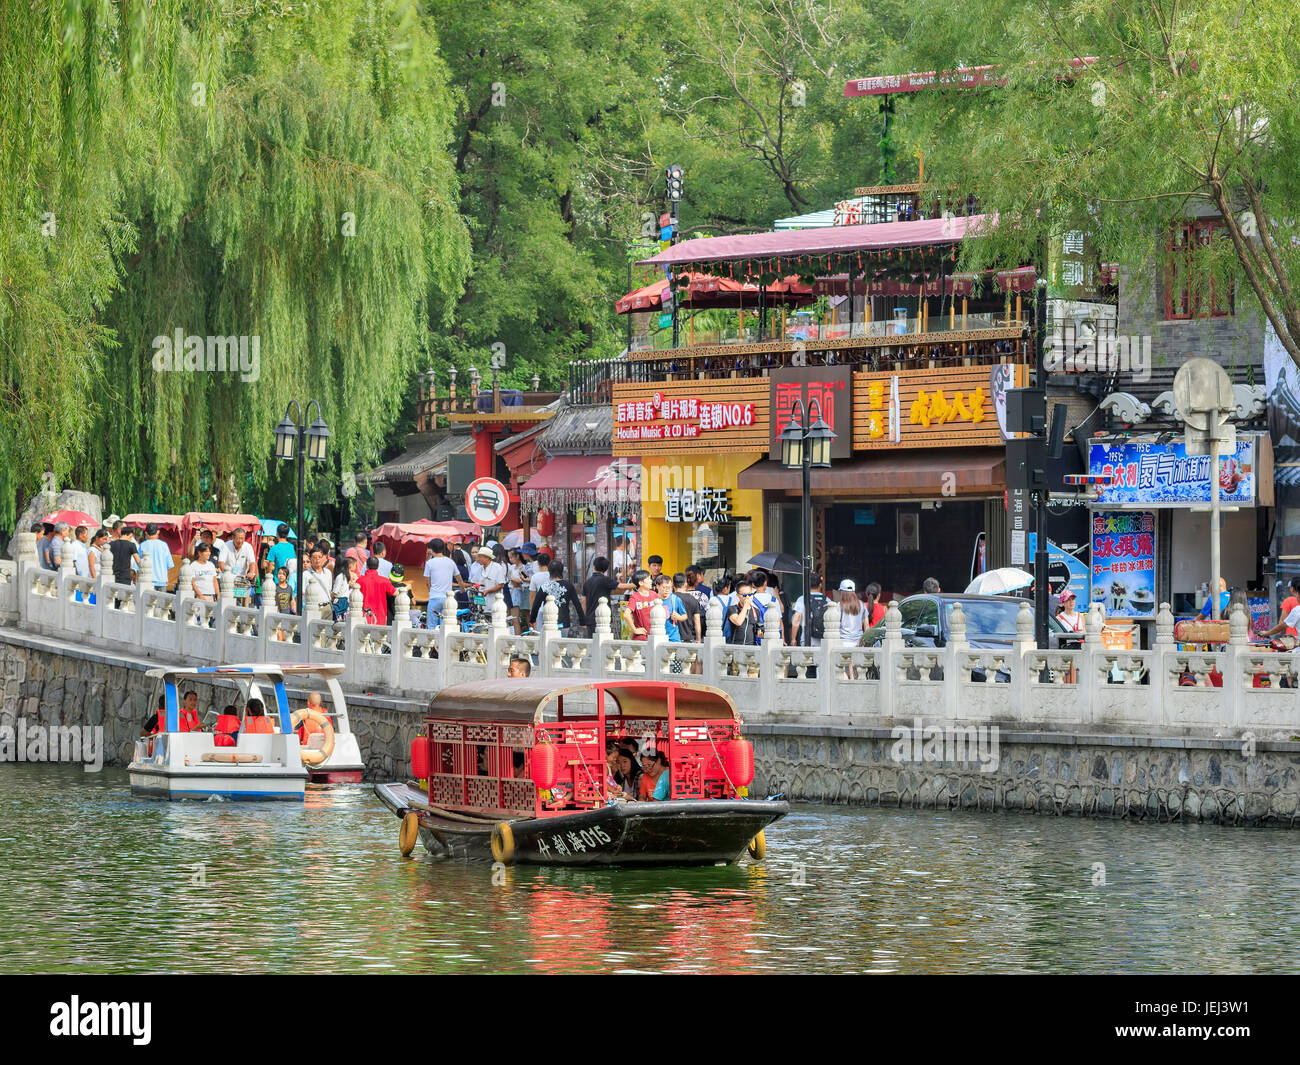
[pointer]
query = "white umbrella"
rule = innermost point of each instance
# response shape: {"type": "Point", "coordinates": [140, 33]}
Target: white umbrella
{"type": "Point", "coordinates": [1000, 581]}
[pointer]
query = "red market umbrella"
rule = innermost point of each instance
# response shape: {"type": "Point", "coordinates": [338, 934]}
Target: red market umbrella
{"type": "Point", "coordinates": [405, 542]}
{"type": "Point", "coordinates": [73, 518]}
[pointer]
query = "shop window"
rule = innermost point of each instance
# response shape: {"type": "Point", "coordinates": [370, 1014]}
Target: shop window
{"type": "Point", "coordinates": [1192, 290]}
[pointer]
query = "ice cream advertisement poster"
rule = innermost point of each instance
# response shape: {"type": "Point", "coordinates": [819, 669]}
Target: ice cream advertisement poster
{"type": "Point", "coordinates": [1163, 475]}
{"type": "Point", "coordinates": [1124, 563]}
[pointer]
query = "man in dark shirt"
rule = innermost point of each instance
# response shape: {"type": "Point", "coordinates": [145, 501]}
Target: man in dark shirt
{"type": "Point", "coordinates": [566, 600]}
{"type": "Point", "coordinates": [123, 549]}
{"type": "Point", "coordinates": [692, 628]}
{"type": "Point", "coordinates": [600, 585]}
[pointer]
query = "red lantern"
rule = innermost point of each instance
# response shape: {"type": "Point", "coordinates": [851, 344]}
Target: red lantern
{"type": "Point", "coordinates": [546, 765]}
{"type": "Point", "coordinates": [420, 757]}
{"type": "Point", "coordinates": [545, 523]}
{"type": "Point", "coordinates": [738, 759]}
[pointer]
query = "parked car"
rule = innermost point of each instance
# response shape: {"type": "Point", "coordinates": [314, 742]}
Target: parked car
{"type": "Point", "coordinates": [990, 624]}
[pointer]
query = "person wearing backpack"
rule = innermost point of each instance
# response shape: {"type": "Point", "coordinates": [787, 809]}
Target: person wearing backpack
{"type": "Point", "coordinates": [815, 612]}
{"type": "Point", "coordinates": [817, 603]}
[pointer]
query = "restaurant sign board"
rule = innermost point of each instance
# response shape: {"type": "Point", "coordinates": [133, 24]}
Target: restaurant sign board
{"type": "Point", "coordinates": [668, 417]}
{"type": "Point", "coordinates": [1152, 474]}
{"type": "Point", "coordinates": [951, 406]}
{"type": "Point", "coordinates": [829, 388]}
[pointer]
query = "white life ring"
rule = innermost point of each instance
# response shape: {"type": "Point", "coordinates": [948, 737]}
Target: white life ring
{"type": "Point", "coordinates": [312, 756]}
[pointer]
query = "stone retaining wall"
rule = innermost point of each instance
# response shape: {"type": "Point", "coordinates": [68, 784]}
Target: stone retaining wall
{"type": "Point", "coordinates": [1146, 778]}
{"type": "Point", "coordinates": [92, 687]}
{"type": "Point", "coordinates": [1159, 778]}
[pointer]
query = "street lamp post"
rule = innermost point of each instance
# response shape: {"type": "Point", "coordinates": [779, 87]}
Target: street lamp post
{"type": "Point", "coordinates": [806, 445]}
{"type": "Point", "coordinates": [288, 435]}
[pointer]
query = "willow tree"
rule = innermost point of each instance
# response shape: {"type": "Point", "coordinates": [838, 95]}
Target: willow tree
{"type": "Point", "coordinates": [74, 86]}
{"type": "Point", "coordinates": [1121, 119]}
{"type": "Point", "coordinates": [305, 212]}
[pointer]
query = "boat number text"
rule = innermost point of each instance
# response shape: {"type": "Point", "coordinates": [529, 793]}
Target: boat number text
{"type": "Point", "coordinates": [589, 839]}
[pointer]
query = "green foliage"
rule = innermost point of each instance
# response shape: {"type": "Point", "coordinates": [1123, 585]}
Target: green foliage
{"type": "Point", "coordinates": [1186, 108]}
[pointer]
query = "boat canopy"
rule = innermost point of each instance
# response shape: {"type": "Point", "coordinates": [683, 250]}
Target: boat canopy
{"type": "Point", "coordinates": [529, 700]}
{"type": "Point", "coordinates": [255, 669]}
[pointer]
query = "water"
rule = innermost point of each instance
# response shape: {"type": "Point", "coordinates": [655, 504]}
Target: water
{"type": "Point", "coordinates": [93, 880]}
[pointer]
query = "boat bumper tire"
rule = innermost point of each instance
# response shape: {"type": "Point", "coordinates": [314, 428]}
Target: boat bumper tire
{"type": "Point", "coordinates": [409, 834]}
{"type": "Point", "coordinates": [503, 843]}
{"type": "Point", "coordinates": [758, 847]}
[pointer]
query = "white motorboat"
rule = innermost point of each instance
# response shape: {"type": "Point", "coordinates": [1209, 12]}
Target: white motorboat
{"type": "Point", "coordinates": [246, 757]}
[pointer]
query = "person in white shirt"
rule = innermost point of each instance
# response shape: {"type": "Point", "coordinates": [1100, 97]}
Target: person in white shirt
{"type": "Point", "coordinates": [317, 574]}
{"type": "Point", "coordinates": [237, 557]}
{"type": "Point", "coordinates": [203, 574]}
{"type": "Point", "coordinates": [476, 566]}
{"type": "Point", "coordinates": [441, 573]}
{"type": "Point", "coordinates": [80, 561]}
{"type": "Point", "coordinates": [493, 580]}
{"type": "Point", "coordinates": [385, 567]}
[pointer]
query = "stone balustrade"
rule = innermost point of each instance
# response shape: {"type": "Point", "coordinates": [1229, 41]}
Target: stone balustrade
{"type": "Point", "coordinates": [1092, 689]}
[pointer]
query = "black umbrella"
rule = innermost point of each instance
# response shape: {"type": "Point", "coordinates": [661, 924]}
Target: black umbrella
{"type": "Point", "coordinates": [776, 562]}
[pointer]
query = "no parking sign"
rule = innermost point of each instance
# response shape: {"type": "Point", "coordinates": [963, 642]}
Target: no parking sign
{"type": "Point", "coordinates": [486, 501]}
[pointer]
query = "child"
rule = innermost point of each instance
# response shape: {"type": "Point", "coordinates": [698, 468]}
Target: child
{"type": "Point", "coordinates": [283, 597]}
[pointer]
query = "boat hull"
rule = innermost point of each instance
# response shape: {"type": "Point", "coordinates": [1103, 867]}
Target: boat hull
{"type": "Point", "coordinates": [205, 786]}
{"type": "Point", "coordinates": [678, 832]}
{"type": "Point", "coordinates": [181, 765]}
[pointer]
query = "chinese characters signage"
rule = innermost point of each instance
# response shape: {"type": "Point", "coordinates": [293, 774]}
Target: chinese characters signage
{"type": "Point", "coordinates": [697, 505]}
{"type": "Point", "coordinates": [1072, 265]}
{"type": "Point", "coordinates": [1124, 562]}
{"type": "Point", "coordinates": [1164, 475]}
{"type": "Point", "coordinates": [943, 407]}
{"type": "Point", "coordinates": [830, 389]}
{"type": "Point", "coordinates": [667, 417]}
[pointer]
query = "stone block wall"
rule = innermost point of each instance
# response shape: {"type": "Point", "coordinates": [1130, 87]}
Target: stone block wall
{"type": "Point", "coordinates": [1145, 778]}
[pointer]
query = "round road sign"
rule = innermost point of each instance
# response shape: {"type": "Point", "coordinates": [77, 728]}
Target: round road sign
{"type": "Point", "coordinates": [486, 501]}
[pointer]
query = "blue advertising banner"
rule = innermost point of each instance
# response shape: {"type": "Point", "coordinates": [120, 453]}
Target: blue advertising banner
{"type": "Point", "coordinates": [1164, 475]}
{"type": "Point", "coordinates": [1062, 569]}
{"type": "Point", "coordinates": [1124, 563]}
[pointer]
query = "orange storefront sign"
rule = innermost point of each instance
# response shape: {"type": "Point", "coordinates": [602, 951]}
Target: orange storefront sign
{"type": "Point", "coordinates": [953, 406]}
{"type": "Point", "coordinates": [669, 417]}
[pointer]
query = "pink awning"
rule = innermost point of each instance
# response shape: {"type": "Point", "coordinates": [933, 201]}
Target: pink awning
{"type": "Point", "coordinates": [708, 290]}
{"type": "Point", "coordinates": [813, 243]}
{"type": "Point", "coordinates": [962, 78]}
{"type": "Point", "coordinates": [607, 484]}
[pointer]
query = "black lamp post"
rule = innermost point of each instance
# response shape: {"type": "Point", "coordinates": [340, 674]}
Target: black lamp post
{"type": "Point", "coordinates": [287, 437]}
{"type": "Point", "coordinates": [806, 444]}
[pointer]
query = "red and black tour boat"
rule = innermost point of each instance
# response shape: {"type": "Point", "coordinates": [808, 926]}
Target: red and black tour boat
{"type": "Point", "coordinates": [516, 770]}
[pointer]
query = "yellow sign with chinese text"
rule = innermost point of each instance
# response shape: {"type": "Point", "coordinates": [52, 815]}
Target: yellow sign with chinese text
{"type": "Point", "coordinates": [940, 407]}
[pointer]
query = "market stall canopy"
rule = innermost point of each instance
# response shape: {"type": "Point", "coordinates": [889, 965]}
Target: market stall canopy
{"type": "Point", "coordinates": [222, 525]}
{"type": "Point", "coordinates": [404, 542]}
{"type": "Point", "coordinates": [817, 243]}
{"type": "Point", "coordinates": [892, 474]}
{"type": "Point", "coordinates": [169, 527]}
{"type": "Point", "coordinates": [608, 485]}
{"type": "Point", "coordinates": [270, 527]}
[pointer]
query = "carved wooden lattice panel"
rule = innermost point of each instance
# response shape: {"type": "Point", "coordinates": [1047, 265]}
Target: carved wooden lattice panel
{"type": "Point", "coordinates": [483, 792]}
{"type": "Point", "coordinates": [516, 736]}
{"type": "Point", "coordinates": [445, 731]}
{"type": "Point", "coordinates": [518, 794]}
{"type": "Point", "coordinates": [446, 790]}
{"type": "Point", "coordinates": [481, 733]}
{"type": "Point", "coordinates": [689, 779]}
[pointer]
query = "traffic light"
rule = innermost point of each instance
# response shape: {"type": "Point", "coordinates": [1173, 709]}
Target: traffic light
{"type": "Point", "coordinates": [674, 174]}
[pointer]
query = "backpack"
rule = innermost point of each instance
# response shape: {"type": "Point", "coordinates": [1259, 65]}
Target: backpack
{"type": "Point", "coordinates": [817, 604]}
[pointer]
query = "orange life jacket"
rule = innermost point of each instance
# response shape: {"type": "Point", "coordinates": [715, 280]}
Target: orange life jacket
{"type": "Point", "coordinates": [189, 720]}
{"type": "Point", "coordinates": [307, 728]}
{"type": "Point", "coordinates": [225, 731]}
{"type": "Point", "coordinates": [254, 724]}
